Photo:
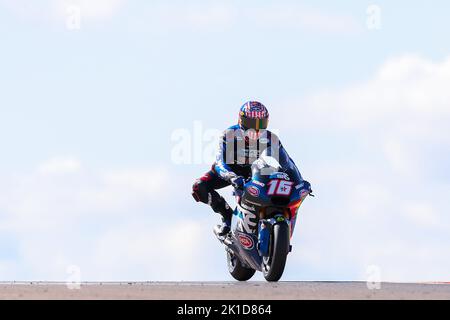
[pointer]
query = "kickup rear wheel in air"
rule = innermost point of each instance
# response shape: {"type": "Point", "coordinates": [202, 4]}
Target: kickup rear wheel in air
{"type": "Point", "coordinates": [237, 270]}
{"type": "Point", "coordinates": [273, 265]}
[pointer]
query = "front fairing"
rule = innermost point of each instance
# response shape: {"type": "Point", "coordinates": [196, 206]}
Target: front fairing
{"type": "Point", "coordinates": [260, 205]}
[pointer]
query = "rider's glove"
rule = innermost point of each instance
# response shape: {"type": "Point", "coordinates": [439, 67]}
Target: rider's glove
{"type": "Point", "coordinates": [238, 182]}
{"type": "Point", "coordinates": [306, 189]}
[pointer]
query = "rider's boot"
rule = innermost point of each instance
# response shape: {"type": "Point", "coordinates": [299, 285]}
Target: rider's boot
{"type": "Point", "coordinates": [225, 227]}
{"type": "Point", "coordinates": [220, 206]}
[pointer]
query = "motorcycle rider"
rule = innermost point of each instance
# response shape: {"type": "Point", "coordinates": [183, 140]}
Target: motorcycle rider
{"type": "Point", "coordinates": [240, 145]}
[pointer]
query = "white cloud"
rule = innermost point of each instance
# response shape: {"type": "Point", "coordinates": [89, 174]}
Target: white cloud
{"type": "Point", "coordinates": [45, 10]}
{"type": "Point", "coordinates": [224, 15]}
{"type": "Point", "coordinates": [303, 17]}
{"type": "Point", "coordinates": [408, 90]}
{"type": "Point", "coordinates": [400, 159]}
{"type": "Point", "coordinates": [402, 112]}
{"type": "Point", "coordinates": [215, 15]}
{"type": "Point", "coordinates": [90, 9]}
{"type": "Point", "coordinates": [60, 166]}
{"type": "Point", "coordinates": [381, 201]}
{"type": "Point", "coordinates": [375, 151]}
{"type": "Point", "coordinates": [112, 223]}
{"type": "Point", "coordinates": [163, 250]}
{"type": "Point", "coordinates": [163, 16]}
{"type": "Point", "coordinates": [209, 16]}
{"type": "Point", "coordinates": [61, 189]}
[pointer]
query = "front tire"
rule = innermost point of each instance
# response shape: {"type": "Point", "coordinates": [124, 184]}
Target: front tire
{"type": "Point", "coordinates": [273, 266]}
{"type": "Point", "coordinates": [237, 270]}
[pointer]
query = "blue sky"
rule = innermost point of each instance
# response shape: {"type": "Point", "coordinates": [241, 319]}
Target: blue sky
{"type": "Point", "coordinates": [87, 116]}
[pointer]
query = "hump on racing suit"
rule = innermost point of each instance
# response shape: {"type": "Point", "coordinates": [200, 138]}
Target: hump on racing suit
{"type": "Point", "coordinates": [238, 149]}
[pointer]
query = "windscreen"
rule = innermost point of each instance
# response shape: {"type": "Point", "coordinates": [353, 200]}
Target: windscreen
{"type": "Point", "coordinates": [276, 159]}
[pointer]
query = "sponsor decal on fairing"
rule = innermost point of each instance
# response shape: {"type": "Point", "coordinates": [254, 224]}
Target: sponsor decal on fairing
{"type": "Point", "coordinates": [253, 191]}
{"type": "Point", "coordinates": [246, 241]}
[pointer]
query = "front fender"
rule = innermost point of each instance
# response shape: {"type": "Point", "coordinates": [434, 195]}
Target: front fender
{"type": "Point", "coordinates": [265, 232]}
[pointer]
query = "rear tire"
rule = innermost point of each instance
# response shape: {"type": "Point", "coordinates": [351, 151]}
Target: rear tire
{"type": "Point", "coordinates": [273, 266]}
{"type": "Point", "coordinates": [237, 270]}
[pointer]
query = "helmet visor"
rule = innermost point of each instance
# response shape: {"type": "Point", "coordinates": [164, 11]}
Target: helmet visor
{"type": "Point", "coordinates": [257, 124]}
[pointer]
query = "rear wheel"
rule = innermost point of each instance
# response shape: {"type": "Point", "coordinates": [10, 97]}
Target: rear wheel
{"type": "Point", "coordinates": [236, 269]}
{"type": "Point", "coordinates": [273, 265]}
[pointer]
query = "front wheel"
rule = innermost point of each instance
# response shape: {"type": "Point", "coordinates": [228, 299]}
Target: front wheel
{"type": "Point", "coordinates": [273, 265]}
{"type": "Point", "coordinates": [237, 270]}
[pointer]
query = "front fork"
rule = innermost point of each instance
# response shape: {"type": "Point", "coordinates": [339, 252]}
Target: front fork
{"type": "Point", "coordinates": [265, 228]}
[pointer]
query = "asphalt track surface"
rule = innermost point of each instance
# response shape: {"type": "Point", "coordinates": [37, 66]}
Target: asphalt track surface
{"type": "Point", "coordinates": [225, 290]}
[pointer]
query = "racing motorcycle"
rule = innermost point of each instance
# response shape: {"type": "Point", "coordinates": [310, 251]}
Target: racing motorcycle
{"type": "Point", "coordinates": [264, 220]}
